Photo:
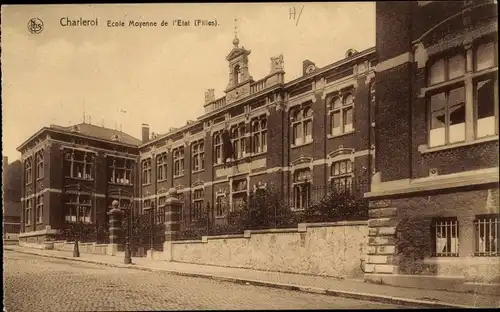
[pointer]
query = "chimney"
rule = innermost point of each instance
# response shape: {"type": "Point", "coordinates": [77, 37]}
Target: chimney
{"type": "Point", "coordinates": [145, 133]}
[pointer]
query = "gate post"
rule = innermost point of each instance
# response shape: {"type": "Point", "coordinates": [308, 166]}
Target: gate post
{"type": "Point", "coordinates": [115, 218]}
{"type": "Point", "coordinates": [172, 226]}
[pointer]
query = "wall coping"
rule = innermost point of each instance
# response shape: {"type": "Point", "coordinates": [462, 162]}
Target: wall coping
{"type": "Point", "coordinates": [302, 227]}
{"type": "Point", "coordinates": [454, 180]}
{"type": "Point", "coordinates": [38, 233]}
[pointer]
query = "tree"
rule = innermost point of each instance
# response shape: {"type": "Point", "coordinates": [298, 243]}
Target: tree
{"type": "Point", "coordinates": [338, 206]}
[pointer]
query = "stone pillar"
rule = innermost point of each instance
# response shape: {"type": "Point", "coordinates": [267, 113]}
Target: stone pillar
{"type": "Point", "coordinates": [381, 240]}
{"type": "Point", "coordinates": [172, 225]}
{"type": "Point", "coordinates": [115, 219]}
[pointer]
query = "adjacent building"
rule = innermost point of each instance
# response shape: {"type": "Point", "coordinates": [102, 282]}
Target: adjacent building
{"type": "Point", "coordinates": [436, 136]}
{"type": "Point", "coordinates": [11, 205]}
{"type": "Point", "coordinates": [73, 174]}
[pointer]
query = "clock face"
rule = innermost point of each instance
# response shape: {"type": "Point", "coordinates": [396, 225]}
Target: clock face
{"type": "Point", "coordinates": [310, 69]}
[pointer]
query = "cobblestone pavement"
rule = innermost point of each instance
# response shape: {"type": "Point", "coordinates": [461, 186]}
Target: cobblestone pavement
{"type": "Point", "coordinates": [34, 283]}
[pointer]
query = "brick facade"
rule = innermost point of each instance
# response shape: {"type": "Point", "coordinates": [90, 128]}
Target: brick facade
{"type": "Point", "coordinates": [269, 100]}
{"type": "Point", "coordinates": [414, 178]}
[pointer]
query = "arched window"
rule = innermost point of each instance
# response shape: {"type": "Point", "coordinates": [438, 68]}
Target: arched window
{"type": "Point", "coordinates": [161, 167]}
{"type": "Point", "coordinates": [237, 74]}
{"type": "Point", "coordinates": [341, 114]}
{"type": "Point", "coordinates": [301, 188]}
{"type": "Point", "coordinates": [238, 140]}
{"type": "Point", "coordinates": [259, 135]}
{"type": "Point", "coordinates": [198, 155]}
{"type": "Point", "coordinates": [341, 175]}
{"type": "Point", "coordinates": [217, 149]}
{"type": "Point", "coordinates": [302, 126]}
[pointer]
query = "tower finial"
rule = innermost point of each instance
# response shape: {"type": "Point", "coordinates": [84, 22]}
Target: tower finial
{"type": "Point", "coordinates": [236, 41]}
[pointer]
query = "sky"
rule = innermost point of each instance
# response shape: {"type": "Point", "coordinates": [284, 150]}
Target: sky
{"type": "Point", "coordinates": [123, 76]}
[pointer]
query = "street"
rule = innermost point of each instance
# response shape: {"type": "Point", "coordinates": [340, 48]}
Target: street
{"type": "Point", "coordinates": [34, 283]}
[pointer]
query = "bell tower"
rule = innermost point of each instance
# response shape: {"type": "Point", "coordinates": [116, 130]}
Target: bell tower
{"type": "Point", "coordinates": [239, 77]}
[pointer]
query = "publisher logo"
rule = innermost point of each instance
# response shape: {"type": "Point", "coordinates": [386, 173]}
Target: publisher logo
{"type": "Point", "coordinates": [35, 26]}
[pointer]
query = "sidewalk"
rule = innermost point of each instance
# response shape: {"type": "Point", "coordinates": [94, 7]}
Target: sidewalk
{"type": "Point", "coordinates": [356, 289]}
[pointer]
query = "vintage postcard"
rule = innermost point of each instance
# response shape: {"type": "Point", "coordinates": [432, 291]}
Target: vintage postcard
{"type": "Point", "coordinates": [250, 156]}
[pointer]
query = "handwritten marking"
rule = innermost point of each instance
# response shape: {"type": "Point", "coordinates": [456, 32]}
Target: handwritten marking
{"type": "Point", "coordinates": [298, 18]}
{"type": "Point", "coordinates": [292, 14]}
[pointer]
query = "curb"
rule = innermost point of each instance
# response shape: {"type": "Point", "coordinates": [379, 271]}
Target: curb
{"type": "Point", "coordinates": [307, 289]}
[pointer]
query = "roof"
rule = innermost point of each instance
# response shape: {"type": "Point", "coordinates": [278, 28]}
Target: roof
{"type": "Point", "coordinates": [100, 133]}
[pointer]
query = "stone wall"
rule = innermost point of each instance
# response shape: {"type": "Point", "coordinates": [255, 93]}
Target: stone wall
{"type": "Point", "coordinates": [329, 249]}
{"type": "Point", "coordinates": [90, 248]}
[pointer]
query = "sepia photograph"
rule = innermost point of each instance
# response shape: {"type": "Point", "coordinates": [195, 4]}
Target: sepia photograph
{"type": "Point", "coordinates": [250, 156]}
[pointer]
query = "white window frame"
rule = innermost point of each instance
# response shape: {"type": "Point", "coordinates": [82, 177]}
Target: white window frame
{"type": "Point", "coordinates": [259, 134]}
{"type": "Point", "coordinates": [87, 172]}
{"type": "Point", "coordinates": [80, 208]}
{"type": "Point", "coordinates": [121, 174]}
{"type": "Point", "coordinates": [39, 209]}
{"type": "Point", "coordinates": [198, 155]}
{"type": "Point", "coordinates": [161, 167]}
{"type": "Point", "coordinates": [218, 149]}
{"type": "Point", "coordinates": [39, 164]}
{"type": "Point", "coordinates": [342, 178]}
{"type": "Point", "coordinates": [469, 80]}
{"type": "Point", "coordinates": [301, 121]}
{"type": "Point", "coordinates": [178, 157]}
{"type": "Point", "coordinates": [345, 103]}
{"type": "Point", "coordinates": [29, 170]}
{"type": "Point", "coordinates": [238, 140]}
{"type": "Point", "coordinates": [28, 211]}
{"type": "Point", "coordinates": [298, 191]}
{"type": "Point", "coordinates": [146, 171]}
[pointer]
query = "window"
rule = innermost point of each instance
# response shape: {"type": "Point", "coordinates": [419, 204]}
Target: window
{"type": "Point", "coordinates": [341, 175]}
{"type": "Point", "coordinates": [301, 188]}
{"type": "Point", "coordinates": [198, 155]}
{"type": "Point", "coordinates": [39, 209]}
{"type": "Point", "coordinates": [160, 218]}
{"type": "Point", "coordinates": [146, 204]}
{"type": "Point", "coordinates": [450, 108]}
{"type": "Point", "coordinates": [239, 194]}
{"type": "Point", "coordinates": [485, 56]}
{"type": "Point", "coordinates": [447, 117]}
{"type": "Point", "coordinates": [218, 148]}
{"type": "Point", "coordinates": [238, 140]}
{"type": "Point", "coordinates": [161, 167]}
{"type": "Point", "coordinates": [178, 162]}
{"type": "Point", "coordinates": [79, 165]}
{"type": "Point", "coordinates": [120, 171]}
{"type": "Point", "coordinates": [486, 107]}
{"type": "Point", "coordinates": [341, 114]}
{"type": "Point", "coordinates": [146, 171]}
{"type": "Point", "coordinates": [78, 208]}
{"type": "Point", "coordinates": [259, 135]}
{"type": "Point", "coordinates": [486, 230]}
{"type": "Point", "coordinates": [39, 164]}
{"type": "Point", "coordinates": [197, 211]}
{"type": "Point", "coordinates": [29, 207]}
{"type": "Point", "coordinates": [237, 74]}
{"type": "Point", "coordinates": [219, 205]}
{"type": "Point", "coordinates": [445, 233]}
{"type": "Point", "coordinates": [302, 126]}
{"type": "Point", "coordinates": [28, 169]}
